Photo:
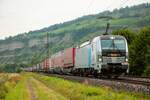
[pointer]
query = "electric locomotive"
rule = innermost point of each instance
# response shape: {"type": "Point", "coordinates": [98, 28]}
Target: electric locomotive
{"type": "Point", "coordinates": [103, 55]}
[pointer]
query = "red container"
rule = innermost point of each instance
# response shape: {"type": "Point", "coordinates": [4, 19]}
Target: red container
{"type": "Point", "coordinates": [58, 59]}
{"type": "Point", "coordinates": [53, 61]}
{"type": "Point", "coordinates": [49, 60]}
{"type": "Point", "coordinates": [46, 64]}
{"type": "Point", "coordinates": [69, 57]}
{"type": "Point", "coordinates": [64, 58]}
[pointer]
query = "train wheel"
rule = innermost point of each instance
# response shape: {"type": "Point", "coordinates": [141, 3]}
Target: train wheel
{"type": "Point", "coordinates": [108, 76]}
{"type": "Point", "coordinates": [116, 76]}
{"type": "Point", "coordinates": [95, 75]}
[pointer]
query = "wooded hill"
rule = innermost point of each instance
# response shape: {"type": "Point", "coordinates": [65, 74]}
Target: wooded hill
{"type": "Point", "coordinates": [30, 48]}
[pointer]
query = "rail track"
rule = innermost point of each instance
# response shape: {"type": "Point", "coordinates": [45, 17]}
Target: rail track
{"type": "Point", "coordinates": [142, 81]}
{"type": "Point", "coordinates": [132, 81]}
{"type": "Point", "coordinates": [123, 83]}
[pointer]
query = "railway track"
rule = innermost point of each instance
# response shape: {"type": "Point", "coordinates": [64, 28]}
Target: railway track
{"type": "Point", "coordinates": [132, 81]}
{"type": "Point", "coordinates": [142, 81]}
{"type": "Point", "coordinates": [123, 83]}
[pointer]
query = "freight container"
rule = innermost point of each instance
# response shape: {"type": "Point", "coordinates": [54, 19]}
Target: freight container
{"type": "Point", "coordinates": [49, 61]}
{"type": "Point", "coordinates": [45, 65]}
{"type": "Point", "coordinates": [69, 57]}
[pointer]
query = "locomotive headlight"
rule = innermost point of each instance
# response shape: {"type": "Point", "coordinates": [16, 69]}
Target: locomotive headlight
{"type": "Point", "coordinates": [100, 59]}
{"type": "Point", "coordinates": [126, 59]}
{"type": "Point", "coordinates": [125, 63]}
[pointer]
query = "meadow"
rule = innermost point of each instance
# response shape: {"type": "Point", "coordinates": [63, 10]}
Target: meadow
{"type": "Point", "coordinates": [7, 83]}
{"type": "Point", "coordinates": [33, 86]}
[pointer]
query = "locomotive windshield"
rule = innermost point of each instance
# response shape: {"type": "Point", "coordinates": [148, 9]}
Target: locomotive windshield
{"type": "Point", "coordinates": [113, 44]}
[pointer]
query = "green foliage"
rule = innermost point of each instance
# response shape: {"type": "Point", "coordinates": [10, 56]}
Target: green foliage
{"type": "Point", "coordinates": [7, 82]}
{"type": "Point", "coordinates": [139, 49]}
{"type": "Point", "coordinates": [139, 54]}
{"type": "Point", "coordinates": [129, 35]}
{"type": "Point", "coordinates": [77, 91]}
{"type": "Point", "coordinates": [10, 68]}
{"type": "Point", "coordinates": [18, 93]}
{"type": "Point", "coordinates": [3, 89]}
{"type": "Point", "coordinates": [147, 71]}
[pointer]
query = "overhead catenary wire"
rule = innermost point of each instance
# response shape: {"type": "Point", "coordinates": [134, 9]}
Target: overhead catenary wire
{"type": "Point", "coordinates": [89, 6]}
{"type": "Point", "coordinates": [45, 48]}
{"type": "Point", "coordinates": [110, 17]}
{"type": "Point", "coordinates": [122, 3]}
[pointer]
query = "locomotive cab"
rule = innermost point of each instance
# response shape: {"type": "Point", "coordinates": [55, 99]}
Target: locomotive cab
{"type": "Point", "coordinates": [110, 55]}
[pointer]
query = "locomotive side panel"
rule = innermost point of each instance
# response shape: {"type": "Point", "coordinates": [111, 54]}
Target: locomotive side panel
{"type": "Point", "coordinates": [83, 57]}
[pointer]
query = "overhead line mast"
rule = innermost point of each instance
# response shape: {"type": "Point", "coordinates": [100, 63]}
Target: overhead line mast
{"type": "Point", "coordinates": [47, 45]}
{"type": "Point", "coordinates": [47, 60]}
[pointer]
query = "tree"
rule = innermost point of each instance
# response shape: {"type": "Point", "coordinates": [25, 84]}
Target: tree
{"type": "Point", "coordinates": [129, 35]}
{"type": "Point", "coordinates": [139, 55]}
{"type": "Point", "coordinates": [139, 50]}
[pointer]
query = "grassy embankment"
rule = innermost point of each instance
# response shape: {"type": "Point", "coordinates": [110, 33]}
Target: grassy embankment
{"type": "Point", "coordinates": [7, 83]}
{"type": "Point", "coordinates": [77, 91]}
{"type": "Point", "coordinates": [39, 87]}
{"type": "Point", "coordinates": [31, 89]}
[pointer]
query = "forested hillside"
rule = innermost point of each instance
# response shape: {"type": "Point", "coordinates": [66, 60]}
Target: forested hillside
{"type": "Point", "coordinates": [30, 48]}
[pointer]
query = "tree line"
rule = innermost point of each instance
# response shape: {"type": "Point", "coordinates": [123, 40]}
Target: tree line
{"type": "Point", "coordinates": [139, 49]}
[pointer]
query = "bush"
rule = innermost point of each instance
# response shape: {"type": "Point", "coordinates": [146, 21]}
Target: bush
{"type": "Point", "coordinates": [147, 71]}
{"type": "Point", "coordinates": [129, 35]}
{"type": "Point", "coordinates": [139, 49]}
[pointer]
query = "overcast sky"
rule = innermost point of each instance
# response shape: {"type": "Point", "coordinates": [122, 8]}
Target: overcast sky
{"type": "Point", "coordinates": [18, 16]}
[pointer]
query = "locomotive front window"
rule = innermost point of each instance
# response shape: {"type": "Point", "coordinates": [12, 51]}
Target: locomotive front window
{"type": "Point", "coordinates": [119, 44]}
{"type": "Point", "coordinates": [106, 44]}
{"type": "Point", "coordinates": [113, 44]}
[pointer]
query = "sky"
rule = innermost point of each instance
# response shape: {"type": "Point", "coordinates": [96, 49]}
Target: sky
{"type": "Point", "coordinates": [19, 16]}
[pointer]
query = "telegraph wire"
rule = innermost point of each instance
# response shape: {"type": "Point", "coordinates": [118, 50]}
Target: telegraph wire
{"type": "Point", "coordinates": [89, 5]}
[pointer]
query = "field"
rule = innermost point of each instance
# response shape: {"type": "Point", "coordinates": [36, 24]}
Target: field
{"type": "Point", "coordinates": [31, 86]}
{"type": "Point", "coordinates": [7, 83]}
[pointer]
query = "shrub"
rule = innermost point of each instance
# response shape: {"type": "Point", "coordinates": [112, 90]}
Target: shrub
{"type": "Point", "coordinates": [147, 71]}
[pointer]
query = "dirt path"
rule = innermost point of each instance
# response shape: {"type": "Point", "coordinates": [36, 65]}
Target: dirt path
{"type": "Point", "coordinates": [30, 90]}
{"type": "Point", "coordinates": [39, 91]}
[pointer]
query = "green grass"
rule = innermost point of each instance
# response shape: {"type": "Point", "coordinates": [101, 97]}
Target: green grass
{"type": "Point", "coordinates": [31, 89]}
{"type": "Point", "coordinates": [77, 91]}
{"type": "Point", "coordinates": [39, 87]}
{"type": "Point", "coordinates": [7, 83]}
{"type": "Point", "coordinates": [19, 92]}
{"type": "Point", "coordinates": [44, 93]}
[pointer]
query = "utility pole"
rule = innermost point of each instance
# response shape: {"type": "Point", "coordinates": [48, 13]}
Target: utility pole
{"type": "Point", "coordinates": [47, 59]}
{"type": "Point", "coordinates": [47, 43]}
{"type": "Point", "coordinates": [107, 28]}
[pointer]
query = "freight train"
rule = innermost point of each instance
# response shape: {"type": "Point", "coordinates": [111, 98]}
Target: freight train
{"type": "Point", "coordinates": [105, 55]}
